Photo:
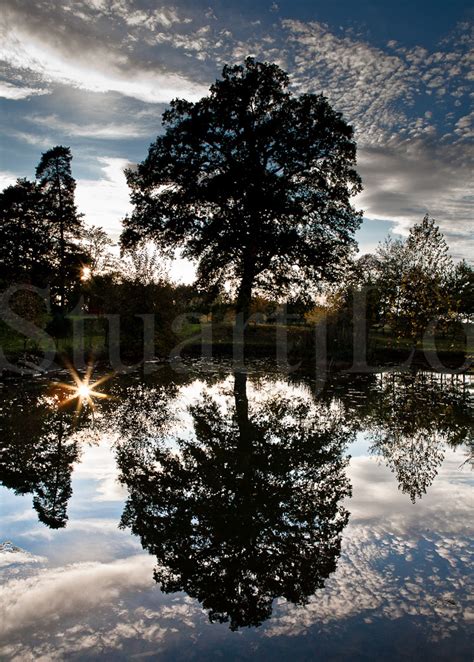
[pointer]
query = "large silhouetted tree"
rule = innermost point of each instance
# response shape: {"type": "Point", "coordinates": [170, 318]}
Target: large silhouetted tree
{"type": "Point", "coordinates": [251, 181]}
{"type": "Point", "coordinates": [246, 509]}
{"type": "Point", "coordinates": [57, 186]}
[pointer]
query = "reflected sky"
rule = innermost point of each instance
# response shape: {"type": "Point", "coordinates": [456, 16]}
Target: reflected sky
{"type": "Point", "coordinates": [401, 585]}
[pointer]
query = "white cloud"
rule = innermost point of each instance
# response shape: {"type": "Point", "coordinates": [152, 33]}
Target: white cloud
{"type": "Point", "coordinates": [7, 179]}
{"type": "Point", "coordinates": [464, 126]}
{"type": "Point", "coordinates": [38, 599]}
{"type": "Point", "coordinates": [105, 201]}
{"type": "Point", "coordinates": [376, 576]}
{"type": "Point", "coordinates": [407, 179]}
{"type": "Point", "coordinates": [10, 91]}
{"type": "Point", "coordinates": [406, 160]}
{"type": "Point", "coordinates": [51, 58]}
{"type": "Point", "coordinates": [375, 89]}
{"type": "Point", "coordinates": [393, 566]}
{"type": "Point", "coordinates": [98, 464]}
{"type": "Point", "coordinates": [11, 555]}
{"type": "Point", "coordinates": [165, 17]}
{"type": "Point", "coordinates": [102, 130]}
{"type": "Point", "coordinates": [44, 142]}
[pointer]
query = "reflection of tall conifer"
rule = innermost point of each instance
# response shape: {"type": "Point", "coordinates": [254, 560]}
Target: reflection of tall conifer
{"type": "Point", "coordinates": [53, 488]}
{"type": "Point", "coordinates": [37, 457]}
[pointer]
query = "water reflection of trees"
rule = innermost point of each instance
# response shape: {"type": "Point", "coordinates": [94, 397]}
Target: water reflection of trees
{"type": "Point", "coordinates": [413, 419]}
{"type": "Point", "coordinates": [246, 507]}
{"type": "Point", "coordinates": [41, 437]}
{"type": "Point", "coordinates": [37, 455]}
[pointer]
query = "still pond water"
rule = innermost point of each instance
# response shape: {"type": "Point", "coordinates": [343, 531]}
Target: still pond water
{"type": "Point", "coordinates": [209, 514]}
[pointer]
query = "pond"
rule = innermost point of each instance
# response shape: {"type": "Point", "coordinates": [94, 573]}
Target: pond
{"type": "Point", "coordinates": [208, 513]}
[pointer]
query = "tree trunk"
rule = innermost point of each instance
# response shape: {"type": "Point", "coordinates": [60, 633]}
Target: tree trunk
{"type": "Point", "coordinates": [244, 297]}
{"type": "Point", "coordinates": [241, 401]}
{"type": "Point", "coordinates": [242, 312]}
{"type": "Point", "coordinates": [246, 429]}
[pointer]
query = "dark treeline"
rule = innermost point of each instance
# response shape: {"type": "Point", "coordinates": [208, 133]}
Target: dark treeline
{"type": "Point", "coordinates": [252, 183]}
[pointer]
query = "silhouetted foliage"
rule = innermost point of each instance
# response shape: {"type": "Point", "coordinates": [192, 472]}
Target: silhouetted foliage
{"type": "Point", "coordinates": [246, 509]}
{"type": "Point", "coordinates": [96, 244]}
{"type": "Point", "coordinates": [25, 245]}
{"type": "Point", "coordinates": [252, 182]}
{"type": "Point", "coordinates": [57, 186]}
{"type": "Point", "coordinates": [36, 456]}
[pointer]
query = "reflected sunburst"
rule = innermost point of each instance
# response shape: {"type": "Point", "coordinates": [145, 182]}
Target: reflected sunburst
{"type": "Point", "coordinates": [83, 390]}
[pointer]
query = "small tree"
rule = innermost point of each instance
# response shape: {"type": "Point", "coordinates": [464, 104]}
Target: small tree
{"type": "Point", "coordinates": [143, 265]}
{"type": "Point", "coordinates": [96, 244]}
{"type": "Point", "coordinates": [252, 182]}
{"type": "Point", "coordinates": [413, 278]}
{"type": "Point", "coordinates": [461, 291]}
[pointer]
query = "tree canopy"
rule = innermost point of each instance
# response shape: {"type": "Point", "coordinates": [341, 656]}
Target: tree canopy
{"type": "Point", "coordinates": [251, 181]}
{"type": "Point", "coordinates": [25, 246]}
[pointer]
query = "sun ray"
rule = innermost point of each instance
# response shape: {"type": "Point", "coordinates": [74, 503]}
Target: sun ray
{"type": "Point", "coordinates": [82, 390]}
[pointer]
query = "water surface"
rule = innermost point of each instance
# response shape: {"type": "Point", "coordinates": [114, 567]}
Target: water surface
{"type": "Point", "coordinates": [208, 514]}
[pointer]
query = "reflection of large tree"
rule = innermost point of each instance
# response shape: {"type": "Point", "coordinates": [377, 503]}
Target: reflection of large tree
{"type": "Point", "coordinates": [413, 417]}
{"type": "Point", "coordinates": [247, 508]}
{"type": "Point", "coordinates": [37, 456]}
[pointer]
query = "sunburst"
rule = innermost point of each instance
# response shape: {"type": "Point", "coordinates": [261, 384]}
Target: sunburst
{"type": "Point", "coordinates": [82, 389]}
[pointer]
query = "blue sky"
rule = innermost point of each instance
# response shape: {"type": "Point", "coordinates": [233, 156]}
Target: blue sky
{"type": "Point", "coordinates": [97, 74]}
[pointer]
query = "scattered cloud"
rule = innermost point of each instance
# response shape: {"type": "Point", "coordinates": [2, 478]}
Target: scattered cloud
{"type": "Point", "coordinates": [377, 90]}
{"type": "Point", "coordinates": [379, 575]}
{"type": "Point", "coordinates": [36, 43]}
{"type": "Point", "coordinates": [396, 562]}
{"type": "Point", "coordinates": [409, 105]}
{"type": "Point", "coordinates": [105, 201]}
{"type": "Point", "coordinates": [14, 92]}
{"type": "Point", "coordinates": [100, 130]}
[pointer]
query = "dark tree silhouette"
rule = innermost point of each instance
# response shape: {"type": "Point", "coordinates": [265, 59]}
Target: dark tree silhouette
{"type": "Point", "coordinates": [55, 459]}
{"type": "Point", "coordinates": [252, 182]}
{"type": "Point", "coordinates": [246, 510]}
{"type": "Point", "coordinates": [25, 245]}
{"type": "Point", "coordinates": [57, 185]}
{"type": "Point", "coordinates": [37, 456]}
